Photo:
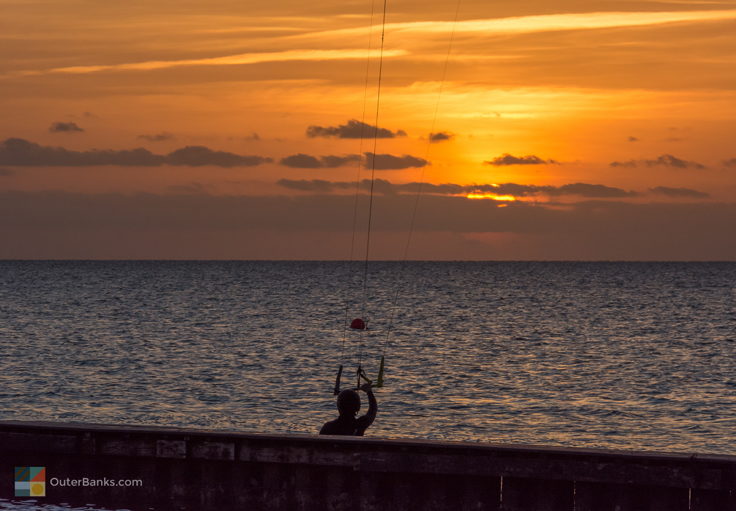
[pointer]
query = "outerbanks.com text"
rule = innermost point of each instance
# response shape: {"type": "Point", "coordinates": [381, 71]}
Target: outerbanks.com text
{"type": "Point", "coordinates": [86, 481]}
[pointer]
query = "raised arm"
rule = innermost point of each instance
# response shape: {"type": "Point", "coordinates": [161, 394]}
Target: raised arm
{"type": "Point", "coordinates": [367, 419]}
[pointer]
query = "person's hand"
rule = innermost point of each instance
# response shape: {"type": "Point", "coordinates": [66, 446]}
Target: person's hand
{"type": "Point", "coordinates": [366, 387]}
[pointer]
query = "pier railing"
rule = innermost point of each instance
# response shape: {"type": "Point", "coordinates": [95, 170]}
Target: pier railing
{"type": "Point", "coordinates": [167, 468]}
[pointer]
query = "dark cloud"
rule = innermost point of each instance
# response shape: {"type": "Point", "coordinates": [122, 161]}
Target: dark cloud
{"type": "Point", "coordinates": [391, 162]}
{"type": "Point", "coordinates": [627, 164]}
{"type": "Point", "coordinates": [440, 189]}
{"type": "Point", "coordinates": [592, 191]}
{"type": "Point", "coordinates": [633, 139]}
{"type": "Point", "coordinates": [65, 127]}
{"type": "Point", "coordinates": [196, 156]}
{"type": "Point", "coordinates": [666, 160]}
{"type": "Point", "coordinates": [507, 159]}
{"type": "Point", "coordinates": [306, 161]}
{"type": "Point", "coordinates": [301, 161]}
{"type": "Point", "coordinates": [679, 192]}
{"type": "Point", "coordinates": [313, 185]}
{"type": "Point", "coordinates": [353, 129]}
{"type": "Point", "coordinates": [158, 137]}
{"type": "Point", "coordinates": [386, 187]}
{"type": "Point", "coordinates": [730, 163]}
{"type": "Point", "coordinates": [440, 136]}
{"type": "Point", "coordinates": [16, 151]}
{"type": "Point", "coordinates": [382, 161]}
{"type": "Point", "coordinates": [339, 161]}
{"type": "Point", "coordinates": [6, 172]}
{"type": "Point", "coordinates": [586, 190]}
{"type": "Point", "coordinates": [514, 189]}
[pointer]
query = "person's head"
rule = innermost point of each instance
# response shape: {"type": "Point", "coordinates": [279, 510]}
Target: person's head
{"type": "Point", "coordinates": [348, 402]}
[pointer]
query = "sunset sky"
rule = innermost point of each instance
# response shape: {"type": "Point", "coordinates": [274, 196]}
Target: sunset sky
{"type": "Point", "coordinates": [575, 129]}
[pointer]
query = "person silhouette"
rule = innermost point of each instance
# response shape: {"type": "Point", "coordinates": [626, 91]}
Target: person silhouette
{"type": "Point", "coordinates": [348, 404]}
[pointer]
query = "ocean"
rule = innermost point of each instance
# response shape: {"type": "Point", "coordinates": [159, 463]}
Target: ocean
{"type": "Point", "coordinates": [614, 355]}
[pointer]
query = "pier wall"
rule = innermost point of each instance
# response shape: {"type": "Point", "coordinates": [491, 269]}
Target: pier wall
{"type": "Point", "coordinates": [205, 470]}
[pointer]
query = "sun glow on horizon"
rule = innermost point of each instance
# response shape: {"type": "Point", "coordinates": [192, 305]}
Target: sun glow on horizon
{"type": "Point", "coordinates": [491, 196]}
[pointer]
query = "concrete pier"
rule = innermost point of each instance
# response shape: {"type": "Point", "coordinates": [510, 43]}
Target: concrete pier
{"type": "Point", "coordinates": [170, 468]}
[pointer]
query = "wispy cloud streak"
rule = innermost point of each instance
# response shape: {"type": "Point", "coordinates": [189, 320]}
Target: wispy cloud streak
{"type": "Point", "coordinates": [229, 60]}
{"type": "Point", "coordinates": [548, 22]}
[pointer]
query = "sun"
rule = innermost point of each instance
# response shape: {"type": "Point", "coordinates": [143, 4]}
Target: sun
{"type": "Point", "coordinates": [491, 196]}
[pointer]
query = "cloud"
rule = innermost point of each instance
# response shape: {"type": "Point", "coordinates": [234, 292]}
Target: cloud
{"type": "Point", "coordinates": [440, 136]}
{"type": "Point", "coordinates": [671, 161]}
{"type": "Point", "coordinates": [549, 22]}
{"type": "Point", "coordinates": [6, 172]}
{"type": "Point", "coordinates": [730, 163]}
{"type": "Point", "coordinates": [592, 191]}
{"type": "Point", "coordinates": [382, 161]}
{"type": "Point", "coordinates": [196, 156]}
{"type": "Point", "coordinates": [158, 137]}
{"type": "Point", "coordinates": [306, 161]}
{"type": "Point", "coordinates": [585, 190]}
{"type": "Point", "coordinates": [665, 160]}
{"type": "Point", "coordinates": [391, 162]}
{"type": "Point", "coordinates": [381, 186]}
{"type": "Point", "coordinates": [65, 127]}
{"type": "Point", "coordinates": [17, 151]}
{"type": "Point", "coordinates": [228, 60]}
{"type": "Point", "coordinates": [301, 161]}
{"type": "Point", "coordinates": [679, 192]}
{"type": "Point", "coordinates": [313, 185]}
{"type": "Point", "coordinates": [339, 161]}
{"type": "Point", "coordinates": [353, 129]}
{"type": "Point", "coordinates": [507, 159]}
{"type": "Point", "coordinates": [626, 164]}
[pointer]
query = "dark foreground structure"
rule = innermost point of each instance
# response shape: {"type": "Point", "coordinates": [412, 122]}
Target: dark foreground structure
{"type": "Point", "coordinates": [205, 470]}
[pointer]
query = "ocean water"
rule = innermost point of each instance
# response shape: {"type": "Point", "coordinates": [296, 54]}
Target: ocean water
{"type": "Point", "coordinates": [617, 355]}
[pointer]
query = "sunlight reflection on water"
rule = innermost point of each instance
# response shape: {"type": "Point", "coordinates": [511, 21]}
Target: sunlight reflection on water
{"type": "Point", "coordinates": [616, 355]}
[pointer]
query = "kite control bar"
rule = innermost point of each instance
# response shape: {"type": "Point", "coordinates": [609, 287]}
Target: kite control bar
{"type": "Point", "coordinates": [361, 378]}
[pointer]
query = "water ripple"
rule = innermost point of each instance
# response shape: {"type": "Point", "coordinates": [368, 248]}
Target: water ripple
{"type": "Point", "coordinates": [616, 355]}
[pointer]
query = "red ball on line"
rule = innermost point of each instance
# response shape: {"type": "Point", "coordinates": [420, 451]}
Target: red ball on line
{"type": "Point", "coordinates": [358, 324]}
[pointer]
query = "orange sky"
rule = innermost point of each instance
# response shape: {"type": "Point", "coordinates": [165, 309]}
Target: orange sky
{"type": "Point", "coordinates": [606, 126]}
